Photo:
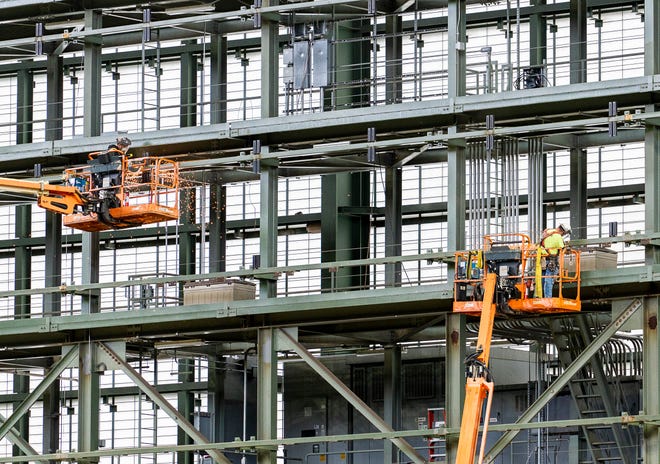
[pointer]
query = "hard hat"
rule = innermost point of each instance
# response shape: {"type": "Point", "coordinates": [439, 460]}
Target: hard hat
{"type": "Point", "coordinates": [124, 141]}
{"type": "Point", "coordinates": [565, 228]}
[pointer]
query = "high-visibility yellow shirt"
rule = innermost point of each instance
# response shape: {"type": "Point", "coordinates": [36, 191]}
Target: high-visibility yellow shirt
{"type": "Point", "coordinates": [553, 243]}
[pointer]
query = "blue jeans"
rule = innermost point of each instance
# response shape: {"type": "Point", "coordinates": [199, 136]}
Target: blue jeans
{"type": "Point", "coordinates": [551, 270]}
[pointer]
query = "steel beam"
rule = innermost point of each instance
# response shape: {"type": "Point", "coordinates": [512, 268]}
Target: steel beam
{"type": "Point", "coordinates": [651, 378]}
{"type": "Point", "coordinates": [92, 69]}
{"type": "Point", "coordinates": [578, 41]}
{"type": "Point", "coordinates": [288, 342]}
{"type": "Point", "coordinates": [22, 280]}
{"type": "Point", "coordinates": [561, 381]}
{"type": "Point", "coordinates": [270, 50]}
{"type": "Point", "coordinates": [90, 272]}
{"type": "Point", "coordinates": [268, 226]}
{"type": "Point", "coordinates": [188, 91]}
{"type": "Point", "coordinates": [88, 398]}
{"type": "Point", "coordinates": [24, 106]}
{"type": "Point", "coordinates": [392, 403]}
{"type": "Point", "coordinates": [578, 196]}
{"type": "Point", "coordinates": [185, 407]}
{"type": "Point", "coordinates": [218, 89]}
{"type": "Point", "coordinates": [163, 404]}
{"type": "Point", "coordinates": [651, 34]}
{"type": "Point", "coordinates": [267, 392]}
{"type": "Point", "coordinates": [393, 224]}
{"type": "Point", "coordinates": [652, 185]}
{"type": "Point", "coordinates": [456, 46]}
{"type": "Point", "coordinates": [54, 97]}
{"type": "Point", "coordinates": [455, 337]}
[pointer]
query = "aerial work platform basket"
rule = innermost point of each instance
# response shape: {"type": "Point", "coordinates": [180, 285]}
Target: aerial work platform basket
{"type": "Point", "coordinates": [519, 266]}
{"type": "Point", "coordinates": [129, 192]}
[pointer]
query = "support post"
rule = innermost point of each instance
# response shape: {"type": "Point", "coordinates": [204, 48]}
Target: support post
{"type": "Point", "coordinates": [578, 194]}
{"type": "Point", "coordinates": [90, 271]}
{"type": "Point", "coordinates": [393, 224]}
{"type": "Point", "coordinates": [538, 32]}
{"type": "Point", "coordinates": [22, 281]}
{"type": "Point", "coordinates": [270, 59]}
{"type": "Point", "coordinates": [393, 58]}
{"type": "Point", "coordinates": [188, 109]}
{"type": "Point", "coordinates": [457, 43]}
{"type": "Point", "coordinates": [88, 399]}
{"type": "Point", "coordinates": [92, 76]}
{"type": "Point", "coordinates": [217, 227]}
{"type": "Point", "coordinates": [454, 380]}
{"type": "Point", "coordinates": [268, 226]}
{"type": "Point", "coordinates": [186, 407]}
{"type": "Point", "coordinates": [392, 398]}
{"type": "Point", "coordinates": [24, 106]}
{"type": "Point", "coordinates": [651, 379]}
{"type": "Point", "coordinates": [266, 393]}
{"type": "Point", "coordinates": [218, 76]}
{"type": "Point", "coordinates": [578, 47]}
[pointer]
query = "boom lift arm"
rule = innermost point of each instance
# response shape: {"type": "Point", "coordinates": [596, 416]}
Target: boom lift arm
{"type": "Point", "coordinates": [62, 199]}
{"type": "Point", "coordinates": [500, 279]}
{"type": "Point", "coordinates": [479, 385]}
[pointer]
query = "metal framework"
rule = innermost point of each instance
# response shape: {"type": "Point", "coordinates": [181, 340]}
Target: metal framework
{"type": "Point", "coordinates": [345, 90]}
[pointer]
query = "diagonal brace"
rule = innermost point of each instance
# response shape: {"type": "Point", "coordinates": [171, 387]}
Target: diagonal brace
{"type": "Point", "coordinates": [564, 378]}
{"type": "Point", "coordinates": [66, 361]}
{"type": "Point", "coordinates": [162, 403]}
{"type": "Point", "coordinates": [16, 439]}
{"type": "Point", "coordinates": [351, 397]}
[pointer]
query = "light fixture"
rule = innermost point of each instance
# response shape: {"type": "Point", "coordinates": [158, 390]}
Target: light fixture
{"type": "Point", "coordinates": [192, 9]}
{"type": "Point", "coordinates": [174, 344]}
{"type": "Point", "coordinates": [67, 24]}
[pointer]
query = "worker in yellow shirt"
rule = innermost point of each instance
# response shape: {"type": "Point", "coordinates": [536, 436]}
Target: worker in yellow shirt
{"type": "Point", "coordinates": [551, 243]}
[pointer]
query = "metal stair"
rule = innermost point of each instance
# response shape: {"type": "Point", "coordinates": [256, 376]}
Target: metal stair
{"type": "Point", "coordinates": [595, 395]}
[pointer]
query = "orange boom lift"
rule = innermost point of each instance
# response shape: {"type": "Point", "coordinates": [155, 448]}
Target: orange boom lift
{"type": "Point", "coordinates": [502, 278]}
{"type": "Point", "coordinates": [113, 191]}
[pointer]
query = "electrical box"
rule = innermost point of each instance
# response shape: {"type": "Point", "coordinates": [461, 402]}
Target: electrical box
{"type": "Point", "coordinates": [301, 65]}
{"type": "Point", "coordinates": [321, 63]}
{"type": "Point", "coordinates": [592, 259]}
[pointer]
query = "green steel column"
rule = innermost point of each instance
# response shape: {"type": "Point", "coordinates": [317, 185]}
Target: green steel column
{"type": "Point", "coordinates": [186, 407]}
{"type": "Point", "coordinates": [651, 34]}
{"type": "Point", "coordinates": [393, 224]}
{"type": "Point", "coordinates": [88, 385]}
{"type": "Point", "coordinates": [392, 398]}
{"type": "Point", "coordinates": [218, 76]}
{"type": "Point", "coordinates": [52, 307]}
{"type": "Point", "coordinates": [578, 195]}
{"type": "Point", "coordinates": [90, 271]}
{"type": "Point", "coordinates": [456, 194]}
{"type": "Point", "coordinates": [268, 225]}
{"type": "Point", "coordinates": [22, 276]}
{"type": "Point", "coordinates": [393, 58]}
{"type": "Point", "coordinates": [53, 249]}
{"type": "Point", "coordinates": [652, 186]}
{"type": "Point", "coordinates": [187, 205]}
{"type": "Point", "coordinates": [270, 59]}
{"type": "Point", "coordinates": [578, 36]}
{"type": "Point", "coordinates": [88, 399]}
{"type": "Point", "coordinates": [454, 377]}
{"type": "Point", "coordinates": [652, 135]}
{"type": "Point", "coordinates": [92, 76]}
{"type": "Point", "coordinates": [188, 110]}
{"type": "Point", "coordinates": [54, 96]}
{"type": "Point", "coordinates": [24, 105]}
{"type": "Point", "coordinates": [344, 236]}
{"type": "Point", "coordinates": [266, 393]}
{"type": "Point", "coordinates": [217, 375]}
{"type": "Point", "coordinates": [456, 44]}
{"type": "Point", "coordinates": [351, 57]}
{"type": "Point", "coordinates": [538, 35]}
{"type": "Point", "coordinates": [217, 227]}
{"type": "Point", "coordinates": [651, 379]}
